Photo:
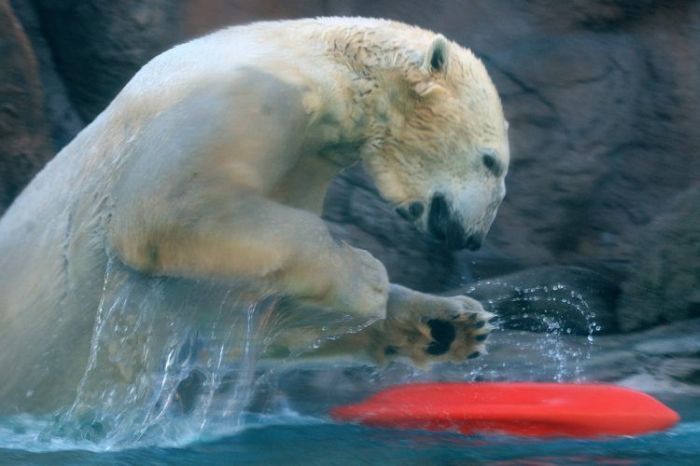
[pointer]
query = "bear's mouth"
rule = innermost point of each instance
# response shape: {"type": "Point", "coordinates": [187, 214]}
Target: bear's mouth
{"type": "Point", "coordinates": [411, 212]}
{"type": "Point", "coordinates": [444, 226]}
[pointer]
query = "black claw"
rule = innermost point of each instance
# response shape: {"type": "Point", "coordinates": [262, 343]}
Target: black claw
{"type": "Point", "coordinates": [475, 354]}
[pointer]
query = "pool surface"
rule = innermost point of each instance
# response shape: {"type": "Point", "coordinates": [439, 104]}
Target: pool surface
{"type": "Point", "coordinates": [293, 439]}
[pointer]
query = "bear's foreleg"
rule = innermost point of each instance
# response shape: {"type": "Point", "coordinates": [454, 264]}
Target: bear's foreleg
{"type": "Point", "coordinates": [252, 238]}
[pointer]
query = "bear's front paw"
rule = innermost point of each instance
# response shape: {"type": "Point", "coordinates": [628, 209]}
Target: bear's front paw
{"type": "Point", "coordinates": [462, 334]}
{"type": "Point", "coordinates": [438, 329]}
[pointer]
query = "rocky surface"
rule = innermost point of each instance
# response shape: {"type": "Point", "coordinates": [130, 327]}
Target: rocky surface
{"type": "Point", "coordinates": [63, 119]}
{"type": "Point", "coordinates": [98, 45]}
{"type": "Point", "coordinates": [664, 281]}
{"type": "Point", "coordinates": [601, 96]}
{"type": "Point", "coordinates": [24, 142]}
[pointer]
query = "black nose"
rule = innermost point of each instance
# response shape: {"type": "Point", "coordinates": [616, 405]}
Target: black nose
{"type": "Point", "coordinates": [443, 226]}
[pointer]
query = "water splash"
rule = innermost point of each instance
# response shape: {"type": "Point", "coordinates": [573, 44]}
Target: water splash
{"type": "Point", "coordinates": [560, 348]}
{"type": "Point", "coordinates": [172, 361]}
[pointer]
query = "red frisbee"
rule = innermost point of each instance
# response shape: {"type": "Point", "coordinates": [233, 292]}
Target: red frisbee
{"type": "Point", "coordinates": [526, 409]}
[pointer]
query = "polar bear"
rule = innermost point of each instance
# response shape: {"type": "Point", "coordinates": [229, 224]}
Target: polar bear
{"type": "Point", "coordinates": [211, 166]}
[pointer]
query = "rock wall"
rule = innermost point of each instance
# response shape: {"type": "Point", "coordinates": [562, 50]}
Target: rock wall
{"type": "Point", "coordinates": [664, 280]}
{"type": "Point", "coordinates": [602, 97]}
{"type": "Point", "coordinates": [24, 142]}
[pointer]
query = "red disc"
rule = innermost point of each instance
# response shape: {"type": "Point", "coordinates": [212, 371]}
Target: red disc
{"type": "Point", "coordinates": [527, 409]}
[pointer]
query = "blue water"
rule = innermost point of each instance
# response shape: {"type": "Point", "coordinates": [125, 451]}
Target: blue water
{"type": "Point", "coordinates": [303, 440]}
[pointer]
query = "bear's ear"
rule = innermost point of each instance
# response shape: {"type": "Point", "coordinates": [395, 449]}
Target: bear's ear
{"type": "Point", "coordinates": [437, 57]}
{"type": "Point", "coordinates": [434, 65]}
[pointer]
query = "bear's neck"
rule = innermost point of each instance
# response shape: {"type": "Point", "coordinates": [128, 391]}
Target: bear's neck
{"type": "Point", "coordinates": [371, 71]}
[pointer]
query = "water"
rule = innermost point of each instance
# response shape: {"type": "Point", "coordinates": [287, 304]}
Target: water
{"type": "Point", "coordinates": [296, 440]}
{"type": "Point", "coordinates": [201, 396]}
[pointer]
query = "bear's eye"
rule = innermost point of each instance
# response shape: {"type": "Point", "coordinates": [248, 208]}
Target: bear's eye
{"type": "Point", "coordinates": [493, 165]}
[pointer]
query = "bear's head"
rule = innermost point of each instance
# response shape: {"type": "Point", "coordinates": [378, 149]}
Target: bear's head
{"type": "Point", "coordinates": [444, 155]}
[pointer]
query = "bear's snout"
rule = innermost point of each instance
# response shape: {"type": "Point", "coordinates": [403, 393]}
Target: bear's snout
{"type": "Point", "coordinates": [444, 226]}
